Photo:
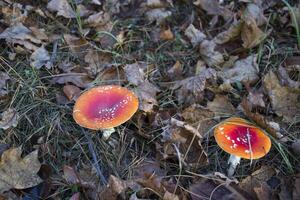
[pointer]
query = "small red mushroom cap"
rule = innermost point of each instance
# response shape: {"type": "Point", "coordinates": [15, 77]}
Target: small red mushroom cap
{"type": "Point", "coordinates": [239, 137]}
{"type": "Point", "coordinates": [105, 107]}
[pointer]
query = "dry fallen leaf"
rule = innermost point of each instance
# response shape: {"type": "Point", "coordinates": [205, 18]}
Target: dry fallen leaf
{"type": "Point", "coordinates": [9, 118]}
{"type": "Point", "coordinates": [166, 34]}
{"type": "Point", "coordinates": [63, 8]}
{"type": "Point", "coordinates": [78, 46]}
{"type": "Point", "coordinates": [70, 175]}
{"type": "Point", "coordinates": [81, 80]}
{"type": "Point", "coordinates": [284, 100]}
{"type": "Point", "coordinates": [97, 61]}
{"type": "Point", "coordinates": [75, 196]}
{"type": "Point", "coordinates": [17, 172]}
{"type": "Point", "coordinates": [231, 33]}
{"type": "Point", "coordinates": [296, 147]}
{"type": "Point", "coordinates": [190, 90]}
{"type": "Point", "coordinates": [244, 70]}
{"type": "Point", "coordinates": [213, 7]}
{"type": "Point", "coordinates": [181, 138]}
{"type": "Point", "coordinates": [115, 189]}
{"type": "Point", "coordinates": [101, 21]}
{"type": "Point", "coordinates": [194, 35]}
{"type": "Point", "coordinates": [251, 34]}
{"type": "Point", "coordinates": [209, 54]}
{"type": "Point", "coordinates": [199, 117]}
{"type": "Point", "coordinates": [257, 179]}
{"type": "Point", "coordinates": [14, 14]}
{"type": "Point", "coordinates": [285, 77]}
{"type": "Point", "coordinates": [255, 12]}
{"type": "Point", "coordinates": [135, 73]}
{"type": "Point", "coordinates": [146, 93]}
{"type": "Point", "coordinates": [72, 92]}
{"type": "Point", "coordinates": [39, 58]}
{"type": "Point", "coordinates": [221, 106]}
{"type": "Point", "coordinates": [3, 80]}
{"type": "Point", "coordinates": [209, 189]}
{"type": "Point", "coordinates": [22, 35]}
{"type": "Point", "coordinates": [170, 196]}
{"type": "Point", "coordinates": [158, 14]}
{"type": "Point", "coordinates": [9, 195]}
{"type": "Point", "coordinates": [256, 99]}
{"type": "Point", "coordinates": [296, 188]}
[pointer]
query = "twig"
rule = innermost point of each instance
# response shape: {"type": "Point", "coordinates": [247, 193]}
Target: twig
{"type": "Point", "coordinates": [96, 161]}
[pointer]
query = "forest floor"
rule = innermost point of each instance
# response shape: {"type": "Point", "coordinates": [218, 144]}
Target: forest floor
{"type": "Point", "coordinates": [192, 64]}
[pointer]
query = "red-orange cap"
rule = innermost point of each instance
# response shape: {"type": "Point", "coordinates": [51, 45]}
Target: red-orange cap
{"type": "Point", "coordinates": [239, 137]}
{"type": "Point", "coordinates": [105, 107]}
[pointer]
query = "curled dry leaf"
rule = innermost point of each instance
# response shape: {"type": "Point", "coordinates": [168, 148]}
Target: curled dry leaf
{"type": "Point", "coordinates": [146, 93]}
{"type": "Point", "coordinates": [17, 172]}
{"type": "Point", "coordinates": [251, 34]}
{"type": "Point", "coordinates": [190, 90]}
{"type": "Point", "coordinates": [231, 33]}
{"type": "Point", "coordinates": [22, 35]}
{"type": "Point", "coordinates": [209, 54]}
{"type": "Point", "coordinates": [260, 120]}
{"type": "Point", "coordinates": [9, 118]}
{"type": "Point", "coordinates": [244, 70]}
{"type": "Point", "coordinates": [115, 189]}
{"type": "Point", "coordinates": [181, 139]}
{"type": "Point", "coordinates": [3, 80]}
{"type": "Point", "coordinates": [39, 58]}
{"type": "Point", "coordinates": [194, 35]}
{"type": "Point", "coordinates": [247, 28]}
{"type": "Point", "coordinates": [72, 92]}
{"type": "Point", "coordinates": [100, 20]}
{"type": "Point", "coordinates": [284, 100]}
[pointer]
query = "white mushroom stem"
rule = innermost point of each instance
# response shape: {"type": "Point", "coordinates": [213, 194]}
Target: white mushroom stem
{"type": "Point", "coordinates": [233, 162]}
{"type": "Point", "coordinates": [106, 133]}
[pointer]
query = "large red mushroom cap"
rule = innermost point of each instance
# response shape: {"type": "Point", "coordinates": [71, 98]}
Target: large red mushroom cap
{"type": "Point", "coordinates": [239, 137]}
{"type": "Point", "coordinates": [105, 107]}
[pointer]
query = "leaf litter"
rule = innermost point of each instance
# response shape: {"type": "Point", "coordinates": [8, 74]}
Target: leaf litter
{"type": "Point", "coordinates": [192, 64]}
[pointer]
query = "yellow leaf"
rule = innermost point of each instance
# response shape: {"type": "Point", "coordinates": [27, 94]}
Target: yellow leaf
{"type": "Point", "coordinates": [17, 172]}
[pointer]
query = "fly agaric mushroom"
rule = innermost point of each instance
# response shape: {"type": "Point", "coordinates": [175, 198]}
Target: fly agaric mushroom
{"type": "Point", "coordinates": [241, 139]}
{"type": "Point", "coordinates": [105, 107]}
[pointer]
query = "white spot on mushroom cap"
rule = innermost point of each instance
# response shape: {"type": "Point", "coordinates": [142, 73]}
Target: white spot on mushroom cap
{"type": "Point", "coordinates": [108, 114]}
